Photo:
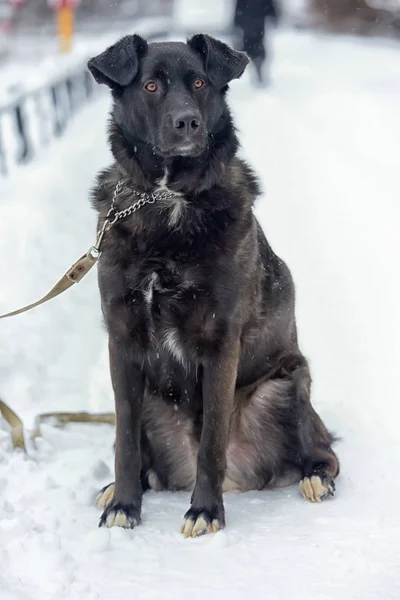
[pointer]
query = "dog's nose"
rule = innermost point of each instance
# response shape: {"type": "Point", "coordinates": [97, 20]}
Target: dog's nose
{"type": "Point", "coordinates": [186, 122]}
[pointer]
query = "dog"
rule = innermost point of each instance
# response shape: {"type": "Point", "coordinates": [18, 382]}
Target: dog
{"type": "Point", "coordinates": [211, 390]}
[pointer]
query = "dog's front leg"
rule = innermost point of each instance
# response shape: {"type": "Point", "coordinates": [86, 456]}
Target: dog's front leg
{"type": "Point", "coordinates": [206, 513]}
{"type": "Point", "coordinates": [128, 384]}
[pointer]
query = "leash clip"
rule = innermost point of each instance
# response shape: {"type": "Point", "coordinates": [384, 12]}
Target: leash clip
{"type": "Point", "coordinates": [112, 212]}
{"type": "Point", "coordinates": [95, 250]}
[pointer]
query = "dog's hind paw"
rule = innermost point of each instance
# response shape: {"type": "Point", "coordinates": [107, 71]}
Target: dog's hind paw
{"type": "Point", "coordinates": [105, 496]}
{"type": "Point", "coordinates": [196, 523]}
{"type": "Point", "coordinates": [120, 515]}
{"type": "Point", "coordinates": [316, 489]}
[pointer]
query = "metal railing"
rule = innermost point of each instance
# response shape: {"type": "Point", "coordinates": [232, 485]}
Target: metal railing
{"type": "Point", "coordinates": [33, 118]}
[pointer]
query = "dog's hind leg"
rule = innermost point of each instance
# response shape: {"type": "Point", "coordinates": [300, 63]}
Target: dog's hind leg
{"type": "Point", "coordinates": [314, 455]}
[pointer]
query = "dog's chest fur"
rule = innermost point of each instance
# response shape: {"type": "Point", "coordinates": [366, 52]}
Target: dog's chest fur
{"type": "Point", "coordinates": [164, 288]}
{"type": "Point", "coordinates": [168, 275]}
{"type": "Point", "coordinates": [172, 308]}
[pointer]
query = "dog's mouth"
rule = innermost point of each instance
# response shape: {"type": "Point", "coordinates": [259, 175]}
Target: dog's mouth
{"type": "Point", "coordinates": [186, 148]}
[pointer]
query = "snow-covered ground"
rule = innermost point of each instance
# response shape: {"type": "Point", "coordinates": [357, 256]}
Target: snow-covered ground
{"type": "Point", "coordinates": [324, 140]}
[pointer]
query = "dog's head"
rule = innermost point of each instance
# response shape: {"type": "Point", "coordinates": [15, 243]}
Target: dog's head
{"type": "Point", "coordinates": [169, 94]}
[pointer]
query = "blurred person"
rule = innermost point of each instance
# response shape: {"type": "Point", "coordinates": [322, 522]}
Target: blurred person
{"type": "Point", "coordinates": [250, 19]}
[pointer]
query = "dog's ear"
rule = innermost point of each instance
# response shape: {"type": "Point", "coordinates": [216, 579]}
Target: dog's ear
{"type": "Point", "coordinates": [118, 65]}
{"type": "Point", "coordinates": [221, 62]}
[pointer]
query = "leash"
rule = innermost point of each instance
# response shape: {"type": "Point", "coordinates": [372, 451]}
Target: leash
{"type": "Point", "coordinates": [74, 275]}
{"type": "Point", "coordinates": [59, 420]}
{"type": "Point", "coordinates": [17, 428]}
{"type": "Point", "coordinates": [86, 262]}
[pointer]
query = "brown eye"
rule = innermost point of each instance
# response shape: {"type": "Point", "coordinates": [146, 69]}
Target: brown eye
{"type": "Point", "coordinates": [151, 86]}
{"type": "Point", "coordinates": [198, 84]}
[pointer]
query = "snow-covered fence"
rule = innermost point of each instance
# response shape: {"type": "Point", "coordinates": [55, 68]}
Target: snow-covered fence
{"type": "Point", "coordinates": [31, 119]}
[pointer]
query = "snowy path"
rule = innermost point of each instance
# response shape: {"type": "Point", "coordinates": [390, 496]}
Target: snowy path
{"type": "Point", "coordinates": [324, 140]}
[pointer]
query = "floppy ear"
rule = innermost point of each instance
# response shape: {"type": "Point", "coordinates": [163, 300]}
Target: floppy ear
{"type": "Point", "coordinates": [118, 65]}
{"type": "Point", "coordinates": [221, 62]}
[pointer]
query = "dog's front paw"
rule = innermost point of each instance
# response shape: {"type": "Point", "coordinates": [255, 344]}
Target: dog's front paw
{"type": "Point", "coordinates": [120, 515]}
{"type": "Point", "coordinates": [316, 488]}
{"type": "Point", "coordinates": [197, 522]}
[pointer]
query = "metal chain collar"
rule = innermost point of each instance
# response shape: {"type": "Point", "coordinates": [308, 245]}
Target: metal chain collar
{"type": "Point", "coordinates": [113, 215]}
{"type": "Point", "coordinates": [83, 265]}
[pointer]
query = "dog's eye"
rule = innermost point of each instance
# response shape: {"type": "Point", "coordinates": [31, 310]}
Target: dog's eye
{"type": "Point", "coordinates": [151, 86]}
{"type": "Point", "coordinates": [198, 84]}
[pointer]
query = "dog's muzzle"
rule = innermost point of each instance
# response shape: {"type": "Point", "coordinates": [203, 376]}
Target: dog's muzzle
{"type": "Point", "coordinates": [183, 134]}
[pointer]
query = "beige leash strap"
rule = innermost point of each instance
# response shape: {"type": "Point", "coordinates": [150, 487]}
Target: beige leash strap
{"type": "Point", "coordinates": [62, 419]}
{"type": "Point", "coordinates": [73, 275]}
{"type": "Point", "coordinates": [59, 420]}
{"type": "Point", "coordinates": [17, 428]}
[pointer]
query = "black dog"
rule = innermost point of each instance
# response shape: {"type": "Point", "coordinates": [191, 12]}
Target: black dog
{"type": "Point", "coordinates": [211, 390]}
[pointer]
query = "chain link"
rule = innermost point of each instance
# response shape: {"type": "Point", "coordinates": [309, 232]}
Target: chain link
{"type": "Point", "coordinates": [117, 190]}
{"type": "Point", "coordinates": [113, 215]}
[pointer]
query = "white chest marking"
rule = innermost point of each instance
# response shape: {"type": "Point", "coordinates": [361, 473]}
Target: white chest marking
{"type": "Point", "coordinates": [176, 204]}
{"type": "Point", "coordinates": [148, 292]}
{"type": "Point", "coordinates": [172, 344]}
{"type": "Point", "coordinates": [162, 183]}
